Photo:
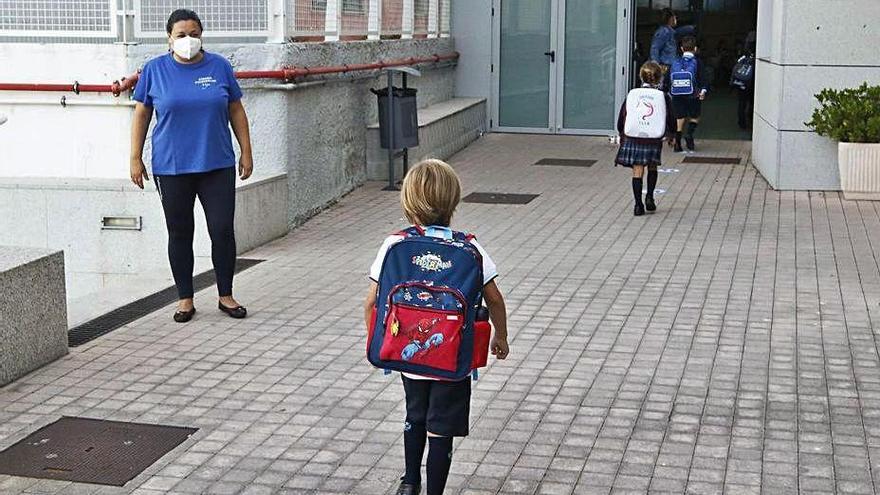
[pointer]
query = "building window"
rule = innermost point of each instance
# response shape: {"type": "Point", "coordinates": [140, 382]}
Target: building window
{"type": "Point", "coordinates": [319, 5]}
{"type": "Point", "coordinates": [354, 6]}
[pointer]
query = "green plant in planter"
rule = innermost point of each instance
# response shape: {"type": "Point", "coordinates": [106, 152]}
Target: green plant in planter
{"type": "Point", "coordinates": [849, 115]}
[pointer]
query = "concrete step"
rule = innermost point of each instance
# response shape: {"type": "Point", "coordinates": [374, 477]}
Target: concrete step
{"type": "Point", "coordinates": [444, 129]}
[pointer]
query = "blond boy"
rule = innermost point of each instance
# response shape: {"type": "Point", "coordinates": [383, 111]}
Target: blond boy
{"type": "Point", "coordinates": [436, 411]}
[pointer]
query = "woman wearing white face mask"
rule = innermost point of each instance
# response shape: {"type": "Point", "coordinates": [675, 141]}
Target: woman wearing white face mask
{"type": "Point", "coordinates": [196, 97]}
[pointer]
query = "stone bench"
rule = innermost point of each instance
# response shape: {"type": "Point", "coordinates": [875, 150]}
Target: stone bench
{"type": "Point", "coordinates": [33, 310]}
{"type": "Point", "coordinates": [444, 129]}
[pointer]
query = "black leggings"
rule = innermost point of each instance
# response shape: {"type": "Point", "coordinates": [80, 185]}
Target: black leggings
{"type": "Point", "coordinates": [216, 192]}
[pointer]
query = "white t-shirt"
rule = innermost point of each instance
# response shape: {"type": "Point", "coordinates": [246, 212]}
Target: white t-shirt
{"type": "Point", "coordinates": [490, 271]}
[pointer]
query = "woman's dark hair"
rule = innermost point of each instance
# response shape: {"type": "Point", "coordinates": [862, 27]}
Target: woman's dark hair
{"type": "Point", "coordinates": [665, 15]}
{"type": "Point", "coordinates": [182, 15]}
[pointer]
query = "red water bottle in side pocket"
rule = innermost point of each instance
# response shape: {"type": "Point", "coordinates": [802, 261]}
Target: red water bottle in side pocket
{"type": "Point", "coordinates": [482, 336]}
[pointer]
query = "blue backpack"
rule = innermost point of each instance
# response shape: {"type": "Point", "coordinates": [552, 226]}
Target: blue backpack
{"type": "Point", "coordinates": [430, 291]}
{"type": "Point", "coordinates": [683, 75]}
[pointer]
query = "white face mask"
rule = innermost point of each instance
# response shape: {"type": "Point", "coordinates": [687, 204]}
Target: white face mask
{"type": "Point", "coordinates": [186, 48]}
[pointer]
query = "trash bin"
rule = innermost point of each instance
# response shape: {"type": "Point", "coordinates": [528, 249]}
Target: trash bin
{"type": "Point", "coordinates": [406, 121]}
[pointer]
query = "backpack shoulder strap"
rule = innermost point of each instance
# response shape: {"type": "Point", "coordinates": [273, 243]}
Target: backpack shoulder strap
{"type": "Point", "coordinates": [463, 236]}
{"type": "Point", "coordinates": [413, 231]}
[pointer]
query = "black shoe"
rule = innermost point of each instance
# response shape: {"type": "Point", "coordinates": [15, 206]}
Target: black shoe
{"type": "Point", "coordinates": [184, 316]}
{"type": "Point", "coordinates": [649, 204]}
{"type": "Point", "coordinates": [237, 312]}
{"type": "Point", "coordinates": [677, 148]}
{"type": "Point", "coordinates": [639, 210]}
{"type": "Point", "coordinates": [689, 142]}
{"type": "Point", "coordinates": [408, 489]}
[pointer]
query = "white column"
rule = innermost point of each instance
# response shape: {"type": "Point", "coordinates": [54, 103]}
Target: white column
{"type": "Point", "coordinates": [333, 20]}
{"type": "Point", "coordinates": [409, 14]}
{"type": "Point", "coordinates": [433, 18]}
{"type": "Point", "coordinates": [277, 21]}
{"type": "Point", "coordinates": [374, 19]}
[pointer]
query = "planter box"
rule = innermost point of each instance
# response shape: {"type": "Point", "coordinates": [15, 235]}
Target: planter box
{"type": "Point", "coordinates": [859, 170]}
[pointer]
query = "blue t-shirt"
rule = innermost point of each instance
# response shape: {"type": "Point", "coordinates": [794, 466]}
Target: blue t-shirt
{"type": "Point", "coordinates": [192, 113]}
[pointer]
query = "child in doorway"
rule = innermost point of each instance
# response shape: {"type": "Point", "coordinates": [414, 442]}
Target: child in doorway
{"type": "Point", "coordinates": [688, 92]}
{"type": "Point", "coordinates": [645, 119]}
{"type": "Point", "coordinates": [436, 411]}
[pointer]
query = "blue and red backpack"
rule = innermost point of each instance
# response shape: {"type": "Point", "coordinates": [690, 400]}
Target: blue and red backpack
{"type": "Point", "coordinates": [425, 319]}
{"type": "Point", "coordinates": [683, 76]}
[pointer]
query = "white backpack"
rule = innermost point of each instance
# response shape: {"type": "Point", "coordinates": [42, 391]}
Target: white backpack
{"type": "Point", "coordinates": [645, 113]}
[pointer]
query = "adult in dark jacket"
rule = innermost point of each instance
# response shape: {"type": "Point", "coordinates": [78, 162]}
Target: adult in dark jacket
{"type": "Point", "coordinates": [664, 44]}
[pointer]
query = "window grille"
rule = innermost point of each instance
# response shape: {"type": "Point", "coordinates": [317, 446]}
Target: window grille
{"type": "Point", "coordinates": [231, 18]}
{"type": "Point", "coordinates": [307, 19]}
{"type": "Point", "coordinates": [64, 18]}
{"type": "Point", "coordinates": [392, 18]}
{"type": "Point", "coordinates": [420, 24]}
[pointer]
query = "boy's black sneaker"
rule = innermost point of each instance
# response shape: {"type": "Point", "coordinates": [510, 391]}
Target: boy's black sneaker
{"type": "Point", "coordinates": [689, 142]}
{"type": "Point", "coordinates": [678, 148]}
{"type": "Point", "coordinates": [649, 204]}
{"type": "Point", "coordinates": [639, 210]}
{"type": "Point", "coordinates": [408, 488]}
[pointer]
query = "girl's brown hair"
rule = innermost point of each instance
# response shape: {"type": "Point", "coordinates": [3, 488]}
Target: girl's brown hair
{"type": "Point", "coordinates": [430, 193]}
{"type": "Point", "coordinates": [651, 73]}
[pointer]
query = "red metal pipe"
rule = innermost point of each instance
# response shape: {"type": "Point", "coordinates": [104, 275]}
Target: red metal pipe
{"type": "Point", "coordinates": [287, 74]}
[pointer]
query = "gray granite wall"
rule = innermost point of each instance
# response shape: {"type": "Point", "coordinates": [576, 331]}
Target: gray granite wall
{"type": "Point", "coordinates": [33, 310]}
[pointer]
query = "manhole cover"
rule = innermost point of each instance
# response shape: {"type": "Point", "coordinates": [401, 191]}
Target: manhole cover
{"type": "Point", "coordinates": [565, 162]}
{"type": "Point", "coordinates": [91, 450]}
{"type": "Point", "coordinates": [499, 198]}
{"type": "Point", "coordinates": [119, 317]}
{"type": "Point", "coordinates": [721, 160]}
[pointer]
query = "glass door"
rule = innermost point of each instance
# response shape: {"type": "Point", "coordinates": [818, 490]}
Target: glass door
{"type": "Point", "coordinates": [525, 64]}
{"type": "Point", "coordinates": [594, 67]}
{"type": "Point", "coordinates": [560, 66]}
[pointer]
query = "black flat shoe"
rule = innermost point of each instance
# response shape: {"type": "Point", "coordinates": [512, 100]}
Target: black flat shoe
{"type": "Point", "coordinates": [408, 489]}
{"type": "Point", "coordinates": [237, 312]}
{"type": "Point", "coordinates": [184, 316]}
{"type": "Point", "coordinates": [649, 204]}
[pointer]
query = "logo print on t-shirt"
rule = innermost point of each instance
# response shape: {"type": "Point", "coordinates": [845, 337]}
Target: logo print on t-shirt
{"type": "Point", "coordinates": [205, 81]}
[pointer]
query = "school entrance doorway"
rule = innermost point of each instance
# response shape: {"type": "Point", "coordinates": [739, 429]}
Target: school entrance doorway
{"type": "Point", "coordinates": [725, 31]}
{"type": "Point", "coordinates": [559, 66]}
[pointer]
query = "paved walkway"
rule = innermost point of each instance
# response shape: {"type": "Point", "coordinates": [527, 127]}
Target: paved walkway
{"type": "Point", "coordinates": [724, 344]}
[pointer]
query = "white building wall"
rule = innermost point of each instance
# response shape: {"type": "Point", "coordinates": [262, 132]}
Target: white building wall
{"type": "Point", "coordinates": [805, 46]}
{"type": "Point", "coordinates": [43, 139]}
{"type": "Point", "coordinates": [472, 23]}
{"type": "Point", "coordinates": [63, 168]}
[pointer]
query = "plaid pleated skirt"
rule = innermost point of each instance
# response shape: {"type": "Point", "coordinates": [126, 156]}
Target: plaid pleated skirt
{"type": "Point", "coordinates": [635, 153]}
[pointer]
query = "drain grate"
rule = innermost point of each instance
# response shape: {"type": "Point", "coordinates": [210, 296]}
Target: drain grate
{"type": "Point", "coordinates": [91, 450]}
{"type": "Point", "coordinates": [500, 198]}
{"type": "Point", "coordinates": [720, 160]}
{"type": "Point", "coordinates": [119, 317]}
{"type": "Point", "coordinates": [565, 162]}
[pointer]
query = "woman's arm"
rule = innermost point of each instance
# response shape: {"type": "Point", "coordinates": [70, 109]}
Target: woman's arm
{"type": "Point", "coordinates": [139, 125]}
{"type": "Point", "coordinates": [239, 121]}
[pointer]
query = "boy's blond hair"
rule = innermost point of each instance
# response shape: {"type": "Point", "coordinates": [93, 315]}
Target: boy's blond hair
{"type": "Point", "coordinates": [429, 194]}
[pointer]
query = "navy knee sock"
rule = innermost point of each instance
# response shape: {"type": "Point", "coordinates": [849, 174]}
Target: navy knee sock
{"type": "Point", "coordinates": [652, 182]}
{"type": "Point", "coordinates": [439, 460]}
{"type": "Point", "coordinates": [414, 438]}
{"type": "Point", "coordinates": [692, 128]}
{"type": "Point", "coordinates": [637, 189]}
